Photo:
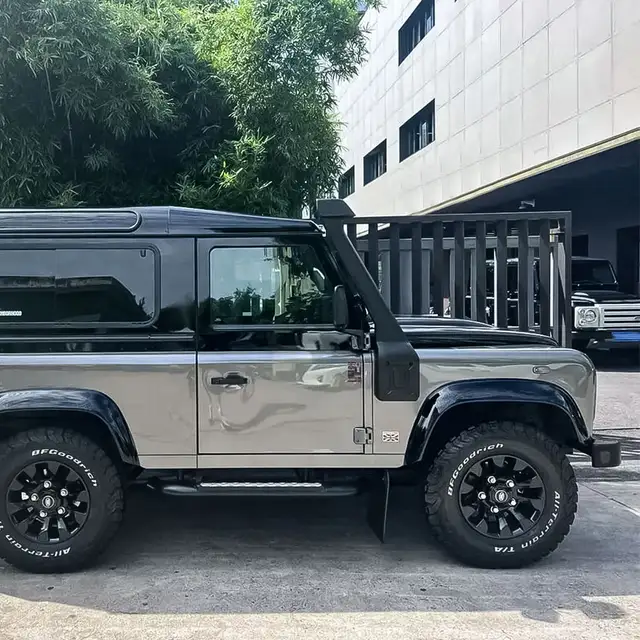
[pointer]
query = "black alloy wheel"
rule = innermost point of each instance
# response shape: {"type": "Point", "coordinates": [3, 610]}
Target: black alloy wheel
{"type": "Point", "coordinates": [48, 502]}
{"type": "Point", "coordinates": [502, 497]}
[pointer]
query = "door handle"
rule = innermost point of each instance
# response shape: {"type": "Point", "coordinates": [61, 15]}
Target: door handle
{"type": "Point", "coordinates": [231, 379]}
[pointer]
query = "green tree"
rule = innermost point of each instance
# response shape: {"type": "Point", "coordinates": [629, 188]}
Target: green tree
{"type": "Point", "coordinates": [220, 104]}
{"type": "Point", "coordinates": [101, 101]}
{"type": "Point", "coordinates": [277, 61]}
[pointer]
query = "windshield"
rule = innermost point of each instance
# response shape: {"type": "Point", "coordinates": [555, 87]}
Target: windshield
{"type": "Point", "coordinates": [592, 272]}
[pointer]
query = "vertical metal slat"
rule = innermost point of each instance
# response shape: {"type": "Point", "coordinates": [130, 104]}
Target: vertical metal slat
{"type": "Point", "coordinates": [352, 233]}
{"type": "Point", "coordinates": [372, 252]}
{"type": "Point", "coordinates": [545, 279]}
{"type": "Point", "coordinates": [438, 268]}
{"type": "Point", "coordinates": [394, 284]}
{"type": "Point", "coordinates": [568, 276]}
{"type": "Point", "coordinates": [416, 269]}
{"type": "Point", "coordinates": [501, 274]}
{"type": "Point", "coordinates": [457, 310]}
{"type": "Point", "coordinates": [479, 287]}
{"type": "Point", "coordinates": [523, 275]}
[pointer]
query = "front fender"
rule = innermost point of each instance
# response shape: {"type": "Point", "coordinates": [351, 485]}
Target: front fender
{"type": "Point", "coordinates": [470, 392]}
{"type": "Point", "coordinates": [79, 400]}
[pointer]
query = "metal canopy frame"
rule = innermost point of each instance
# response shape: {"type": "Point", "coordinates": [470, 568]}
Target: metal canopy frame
{"type": "Point", "coordinates": [416, 259]}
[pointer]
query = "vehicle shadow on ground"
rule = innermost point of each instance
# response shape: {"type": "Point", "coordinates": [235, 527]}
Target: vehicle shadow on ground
{"type": "Point", "coordinates": [177, 556]}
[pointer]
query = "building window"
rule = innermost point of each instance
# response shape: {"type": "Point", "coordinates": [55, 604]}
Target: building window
{"type": "Point", "coordinates": [419, 23]}
{"type": "Point", "coordinates": [78, 287]}
{"type": "Point", "coordinates": [375, 163]}
{"type": "Point", "coordinates": [418, 132]}
{"type": "Point", "coordinates": [277, 285]}
{"type": "Point", "coordinates": [347, 183]}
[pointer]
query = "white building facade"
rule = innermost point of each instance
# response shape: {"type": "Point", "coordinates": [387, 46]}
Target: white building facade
{"type": "Point", "coordinates": [462, 98]}
{"type": "Point", "coordinates": [514, 84]}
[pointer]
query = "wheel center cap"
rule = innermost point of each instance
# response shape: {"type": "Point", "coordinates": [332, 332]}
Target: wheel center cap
{"type": "Point", "coordinates": [501, 495]}
{"type": "Point", "coordinates": [48, 502]}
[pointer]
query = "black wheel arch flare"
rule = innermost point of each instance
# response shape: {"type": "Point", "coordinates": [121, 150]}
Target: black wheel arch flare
{"type": "Point", "coordinates": [95, 403]}
{"type": "Point", "coordinates": [477, 392]}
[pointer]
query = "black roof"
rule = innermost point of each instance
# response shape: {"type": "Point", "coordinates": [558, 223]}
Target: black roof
{"type": "Point", "coordinates": [145, 221]}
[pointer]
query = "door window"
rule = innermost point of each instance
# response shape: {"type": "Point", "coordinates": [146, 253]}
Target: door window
{"type": "Point", "coordinates": [274, 285]}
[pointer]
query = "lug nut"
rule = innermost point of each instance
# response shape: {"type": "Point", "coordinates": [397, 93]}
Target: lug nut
{"type": "Point", "coordinates": [64, 493]}
{"type": "Point", "coordinates": [61, 511]}
{"type": "Point", "coordinates": [35, 497]}
{"type": "Point", "coordinates": [491, 480]}
{"type": "Point", "coordinates": [513, 502]}
{"type": "Point", "coordinates": [482, 496]}
{"type": "Point", "coordinates": [43, 514]}
{"type": "Point", "coordinates": [511, 484]}
{"type": "Point", "coordinates": [47, 484]}
{"type": "Point", "coordinates": [495, 510]}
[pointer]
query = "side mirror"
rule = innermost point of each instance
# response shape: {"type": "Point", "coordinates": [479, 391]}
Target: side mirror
{"type": "Point", "coordinates": [340, 307]}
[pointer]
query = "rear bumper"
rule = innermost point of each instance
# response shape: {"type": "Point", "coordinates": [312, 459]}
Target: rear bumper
{"type": "Point", "coordinates": [604, 453]}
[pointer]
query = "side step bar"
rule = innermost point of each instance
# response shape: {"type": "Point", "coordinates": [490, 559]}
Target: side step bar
{"type": "Point", "coordinates": [377, 510]}
{"type": "Point", "coordinates": [285, 489]}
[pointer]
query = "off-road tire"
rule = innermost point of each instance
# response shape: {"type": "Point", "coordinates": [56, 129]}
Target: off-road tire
{"type": "Point", "coordinates": [444, 480]}
{"type": "Point", "coordinates": [101, 479]}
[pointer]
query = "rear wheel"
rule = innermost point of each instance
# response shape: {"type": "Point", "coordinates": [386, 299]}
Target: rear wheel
{"type": "Point", "coordinates": [61, 500]}
{"type": "Point", "coordinates": [501, 495]}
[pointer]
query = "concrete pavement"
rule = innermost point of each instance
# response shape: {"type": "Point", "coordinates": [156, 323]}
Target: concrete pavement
{"type": "Point", "coordinates": [279, 569]}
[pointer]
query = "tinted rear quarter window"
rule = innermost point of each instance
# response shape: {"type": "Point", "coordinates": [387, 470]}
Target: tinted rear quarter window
{"type": "Point", "coordinates": [78, 286]}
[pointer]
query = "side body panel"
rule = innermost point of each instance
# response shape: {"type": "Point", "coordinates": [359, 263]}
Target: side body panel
{"type": "Point", "coordinates": [568, 370]}
{"type": "Point", "coordinates": [293, 402]}
{"type": "Point", "coordinates": [154, 392]}
{"type": "Point", "coordinates": [149, 372]}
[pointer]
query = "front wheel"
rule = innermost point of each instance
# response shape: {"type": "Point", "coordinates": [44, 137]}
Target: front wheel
{"type": "Point", "coordinates": [61, 500]}
{"type": "Point", "coordinates": [501, 495]}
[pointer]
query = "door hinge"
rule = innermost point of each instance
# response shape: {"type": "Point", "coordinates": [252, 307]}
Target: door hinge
{"type": "Point", "coordinates": [363, 435]}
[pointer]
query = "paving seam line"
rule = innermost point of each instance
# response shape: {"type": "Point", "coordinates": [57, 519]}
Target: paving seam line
{"type": "Point", "coordinates": [635, 512]}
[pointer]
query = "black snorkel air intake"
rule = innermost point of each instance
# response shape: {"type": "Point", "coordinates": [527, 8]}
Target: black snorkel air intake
{"type": "Point", "coordinates": [396, 365]}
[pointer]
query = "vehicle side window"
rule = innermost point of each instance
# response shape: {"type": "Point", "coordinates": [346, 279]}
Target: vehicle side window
{"type": "Point", "coordinates": [269, 285]}
{"type": "Point", "coordinates": [79, 287]}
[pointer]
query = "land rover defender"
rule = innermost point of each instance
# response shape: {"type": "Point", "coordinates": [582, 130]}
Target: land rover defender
{"type": "Point", "coordinates": [604, 317]}
{"type": "Point", "coordinates": [203, 353]}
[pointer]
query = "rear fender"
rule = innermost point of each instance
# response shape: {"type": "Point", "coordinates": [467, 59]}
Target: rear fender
{"type": "Point", "coordinates": [474, 392]}
{"type": "Point", "coordinates": [33, 401]}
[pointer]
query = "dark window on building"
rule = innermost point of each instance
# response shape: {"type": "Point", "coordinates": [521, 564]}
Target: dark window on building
{"type": "Point", "coordinates": [419, 23]}
{"type": "Point", "coordinates": [418, 132]}
{"type": "Point", "coordinates": [375, 163]}
{"type": "Point", "coordinates": [347, 183]}
{"type": "Point", "coordinates": [77, 287]}
{"type": "Point", "coordinates": [276, 285]}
